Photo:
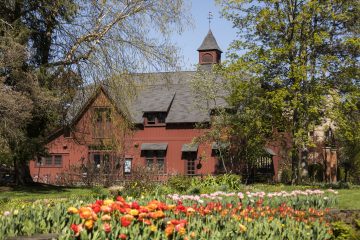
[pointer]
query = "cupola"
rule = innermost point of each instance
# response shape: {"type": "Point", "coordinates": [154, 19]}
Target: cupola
{"type": "Point", "coordinates": [209, 50]}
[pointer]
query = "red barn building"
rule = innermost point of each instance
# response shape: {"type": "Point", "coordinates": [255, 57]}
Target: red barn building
{"type": "Point", "coordinates": [162, 119]}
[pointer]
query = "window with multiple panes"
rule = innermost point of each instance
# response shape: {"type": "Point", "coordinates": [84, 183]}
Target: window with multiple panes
{"type": "Point", "coordinates": [155, 161]}
{"type": "Point", "coordinates": [102, 160]}
{"type": "Point", "coordinates": [190, 166]}
{"type": "Point", "coordinates": [154, 118]}
{"type": "Point", "coordinates": [102, 122]}
{"type": "Point", "coordinates": [50, 161]}
{"type": "Point", "coordinates": [190, 162]}
{"type": "Point", "coordinates": [57, 160]}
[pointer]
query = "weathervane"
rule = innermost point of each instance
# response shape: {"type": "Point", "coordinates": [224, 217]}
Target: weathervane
{"type": "Point", "coordinates": [209, 18]}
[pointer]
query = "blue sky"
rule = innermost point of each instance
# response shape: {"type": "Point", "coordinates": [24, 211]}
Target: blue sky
{"type": "Point", "coordinates": [192, 38]}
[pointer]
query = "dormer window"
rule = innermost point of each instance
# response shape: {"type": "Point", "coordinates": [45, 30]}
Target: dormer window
{"type": "Point", "coordinates": [154, 118]}
{"type": "Point", "coordinates": [151, 118]}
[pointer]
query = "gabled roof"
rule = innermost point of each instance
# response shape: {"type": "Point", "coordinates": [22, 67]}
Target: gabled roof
{"type": "Point", "coordinates": [156, 92]}
{"type": "Point", "coordinates": [209, 43]}
{"type": "Point", "coordinates": [86, 96]}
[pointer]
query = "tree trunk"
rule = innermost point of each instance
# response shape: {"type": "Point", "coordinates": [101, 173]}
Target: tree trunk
{"type": "Point", "coordinates": [296, 165]}
{"type": "Point", "coordinates": [22, 172]}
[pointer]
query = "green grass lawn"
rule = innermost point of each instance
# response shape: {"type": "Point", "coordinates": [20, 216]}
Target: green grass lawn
{"type": "Point", "coordinates": [12, 196]}
{"type": "Point", "coordinates": [41, 192]}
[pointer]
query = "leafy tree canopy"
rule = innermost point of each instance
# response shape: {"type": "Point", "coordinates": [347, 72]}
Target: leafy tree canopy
{"type": "Point", "coordinates": [301, 57]}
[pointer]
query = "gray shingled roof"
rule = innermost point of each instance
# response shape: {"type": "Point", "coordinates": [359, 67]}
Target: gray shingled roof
{"type": "Point", "coordinates": [159, 92]}
{"type": "Point", "coordinates": [209, 43]}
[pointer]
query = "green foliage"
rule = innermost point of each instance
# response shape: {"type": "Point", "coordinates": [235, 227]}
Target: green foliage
{"type": "Point", "coordinates": [47, 51]}
{"type": "Point", "coordinates": [179, 183]}
{"type": "Point", "coordinates": [232, 181]}
{"type": "Point", "coordinates": [293, 69]}
{"type": "Point", "coordinates": [338, 185]}
{"type": "Point", "coordinates": [138, 188]}
{"type": "Point", "coordinates": [286, 176]}
{"type": "Point", "coordinates": [243, 127]}
{"type": "Point", "coordinates": [206, 184]}
{"type": "Point", "coordinates": [343, 231]}
{"type": "Point", "coordinates": [357, 223]}
{"type": "Point", "coordinates": [194, 190]}
{"type": "Point", "coordinates": [316, 172]}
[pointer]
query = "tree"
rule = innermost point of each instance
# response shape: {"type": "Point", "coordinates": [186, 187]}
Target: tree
{"type": "Point", "coordinates": [299, 51]}
{"type": "Point", "coordinates": [347, 115]}
{"type": "Point", "coordinates": [64, 43]}
{"type": "Point", "coordinates": [239, 121]}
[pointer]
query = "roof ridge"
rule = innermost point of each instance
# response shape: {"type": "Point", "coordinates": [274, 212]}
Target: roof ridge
{"type": "Point", "coordinates": [209, 43]}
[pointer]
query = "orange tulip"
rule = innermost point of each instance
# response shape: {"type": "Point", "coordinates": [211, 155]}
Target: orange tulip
{"type": "Point", "coordinates": [169, 230]}
{"type": "Point", "coordinates": [85, 213]}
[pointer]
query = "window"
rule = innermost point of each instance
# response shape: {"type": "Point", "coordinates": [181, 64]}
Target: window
{"type": "Point", "coordinates": [154, 118]}
{"type": "Point", "coordinates": [67, 132]}
{"type": "Point", "coordinates": [150, 163]}
{"type": "Point", "coordinates": [102, 122]}
{"type": "Point", "coordinates": [103, 160]}
{"type": "Point", "coordinates": [155, 161]}
{"type": "Point", "coordinates": [207, 58]}
{"type": "Point", "coordinates": [50, 161]}
{"type": "Point", "coordinates": [161, 164]}
{"type": "Point", "coordinates": [97, 160]}
{"type": "Point", "coordinates": [190, 158]}
{"type": "Point", "coordinates": [151, 119]}
{"type": "Point", "coordinates": [127, 165]}
{"type": "Point", "coordinates": [57, 160]}
{"type": "Point", "coordinates": [190, 168]}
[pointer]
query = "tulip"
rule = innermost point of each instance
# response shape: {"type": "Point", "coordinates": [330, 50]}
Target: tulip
{"type": "Point", "coordinates": [105, 209]}
{"type": "Point", "coordinates": [107, 227]}
{"type": "Point", "coordinates": [76, 228]}
{"type": "Point", "coordinates": [169, 230]}
{"type": "Point", "coordinates": [85, 213]}
{"type": "Point", "coordinates": [125, 222]}
{"type": "Point", "coordinates": [108, 202]}
{"type": "Point", "coordinates": [153, 228]}
{"type": "Point", "coordinates": [122, 236]}
{"type": "Point", "coordinates": [242, 228]}
{"type": "Point", "coordinates": [89, 224]}
{"type": "Point", "coordinates": [134, 212]}
{"type": "Point", "coordinates": [72, 210]}
{"type": "Point", "coordinates": [106, 217]}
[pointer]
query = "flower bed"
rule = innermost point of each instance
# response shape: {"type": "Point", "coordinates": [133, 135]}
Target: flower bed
{"type": "Point", "coordinates": [214, 216]}
{"type": "Point", "coordinates": [298, 199]}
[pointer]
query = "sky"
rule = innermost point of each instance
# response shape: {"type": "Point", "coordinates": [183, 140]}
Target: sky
{"type": "Point", "coordinates": [192, 38]}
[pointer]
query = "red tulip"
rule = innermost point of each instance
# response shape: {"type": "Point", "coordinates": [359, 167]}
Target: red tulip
{"type": "Point", "coordinates": [125, 222]}
{"type": "Point", "coordinates": [122, 236]}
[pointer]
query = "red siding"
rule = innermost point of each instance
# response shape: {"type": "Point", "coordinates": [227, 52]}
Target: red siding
{"type": "Point", "coordinates": [75, 150]}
